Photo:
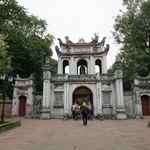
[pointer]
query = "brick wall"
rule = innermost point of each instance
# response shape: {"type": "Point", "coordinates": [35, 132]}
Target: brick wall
{"type": "Point", "coordinates": [8, 108]}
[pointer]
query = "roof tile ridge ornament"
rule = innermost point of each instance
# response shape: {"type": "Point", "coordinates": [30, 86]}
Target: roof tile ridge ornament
{"type": "Point", "coordinates": [60, 42]}
{"type": "Point", "coordinates": [102, 42]}
{"type": "Point", "coordinates": [57, 50]}
{"type": "Point", "coordinates": [81, 41]}
{"type": "Point", "coordinates": [95, 39]}
{"type": "Point", "coordinates": [107, 47]}
{"type": "Point", "coordinates": [68, 40]}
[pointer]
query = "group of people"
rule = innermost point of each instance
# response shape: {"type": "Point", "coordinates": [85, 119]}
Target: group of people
{"type": "Point", "coordinates": [85, 109]}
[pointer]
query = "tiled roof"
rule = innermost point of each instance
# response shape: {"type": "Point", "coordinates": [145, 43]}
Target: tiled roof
{"type": "Point", "coordinates": [79, 44]}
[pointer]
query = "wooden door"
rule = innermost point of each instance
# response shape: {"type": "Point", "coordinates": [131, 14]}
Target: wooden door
{"type": "Point", "coordinates": [22, 106]}
{"type": "Point", "coordinates": [145, 105]}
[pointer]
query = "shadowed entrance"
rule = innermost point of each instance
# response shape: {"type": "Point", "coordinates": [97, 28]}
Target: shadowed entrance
{"type": "Point", "coordinates": [145, 105]}
{"type": "Point", "coordinates": [82, 94]}
{"type": "Point", "coordinates": [22, 106]}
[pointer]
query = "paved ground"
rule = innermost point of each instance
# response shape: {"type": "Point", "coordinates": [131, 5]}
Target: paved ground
{"type": "Point", "coordinates": [57, 134]}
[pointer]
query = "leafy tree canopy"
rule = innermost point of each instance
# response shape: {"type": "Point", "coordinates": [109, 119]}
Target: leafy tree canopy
{"type": "Point", "coordinates": [132, 31]}
{"type": "Point", "coordinates": [29, 42]}
{"type": "Point", "coordinates": [5, 60]}
{"type": "Point", "coordinates": [5, 64]}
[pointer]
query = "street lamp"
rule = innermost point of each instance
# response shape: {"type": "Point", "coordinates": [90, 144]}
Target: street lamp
{"type": "Point", "coordinates": [6, 79]}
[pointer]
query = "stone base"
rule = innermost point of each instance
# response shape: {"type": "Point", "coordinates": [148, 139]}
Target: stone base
{"type": "Point", "coordinates": [100, 117]}
{"type": "Point", "coordinates": [121, 116]}
{"type": "Point", "coordinates": [45, 114]}
{"type": "Point", "coordinates": [137, 117]}
{"type": "Point", "coordinates": [28, 117]}
{"type": "Point", "coordinates": [65, 116]}
{"type": "Point", "coordinates": [107, 111]}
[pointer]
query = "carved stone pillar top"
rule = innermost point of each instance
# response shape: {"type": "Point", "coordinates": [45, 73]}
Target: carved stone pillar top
{"type": "Point", "coordinates": [46, 75]}
{"type": "Point", "coordinates": [47, 65]}
{"type": "Point", "coordinates": [118, 63]}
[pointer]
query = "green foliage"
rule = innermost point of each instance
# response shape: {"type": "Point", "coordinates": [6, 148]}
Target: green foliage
{"type": "Point", "coordinates": [111, 69]}
{"type": "Point", "coordinates": [6, 123]}
{"type": "Point", "coordinates": [5, 60]}
{"type": "Point", "coordinates": [54, 64]}
{"type": "Point", "coordinates": [132, 31]}
{"type": "Point", "coordinates": [28, 40]}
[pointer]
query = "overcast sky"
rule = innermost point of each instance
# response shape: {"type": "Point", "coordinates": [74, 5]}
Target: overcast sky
{"type": "Point", "coordinates": [78, 18]}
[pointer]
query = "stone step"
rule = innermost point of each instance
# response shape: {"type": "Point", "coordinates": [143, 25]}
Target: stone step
{"type": "Point", "coordinates": [146, 117]}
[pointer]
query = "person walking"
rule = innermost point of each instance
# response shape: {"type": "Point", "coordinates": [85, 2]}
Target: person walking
{"type": "Point", "coordinates": [84, 110]}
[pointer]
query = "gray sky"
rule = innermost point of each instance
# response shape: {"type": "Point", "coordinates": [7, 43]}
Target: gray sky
{"type": "Point", "coordinates": [78, 18]}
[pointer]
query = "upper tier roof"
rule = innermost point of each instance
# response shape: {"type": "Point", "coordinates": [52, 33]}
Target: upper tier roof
{"type": "Point", "coordinates": [93, 47]}
{"type": "Point", "coordinates": [79, 44]}
{"type": "Point", "coordinates": [82, 43]}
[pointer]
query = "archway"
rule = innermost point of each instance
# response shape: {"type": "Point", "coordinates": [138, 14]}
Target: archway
{"type": "Point", "coordinates": [65, 66]}
{"type": "Point", "coordinates": [82, 67]}
{"type": "Point", "coordinates": [22, 106]}
{"type": "Point", "coordinates": [98, 66]}
{"type": "Point", "coordinates": [145, 105]}
{"type": "Point", "coordinates": [82, 94]}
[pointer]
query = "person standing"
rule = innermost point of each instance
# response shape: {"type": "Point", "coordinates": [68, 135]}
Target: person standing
{"type": "Point", "coordinates": [73, 110]}
{"type": "Point", "coordinates": [90, 111]}
{"type": "Point", "coordinates": [84, 110]}
{"type": "Point", "coordinates": [77, 111]}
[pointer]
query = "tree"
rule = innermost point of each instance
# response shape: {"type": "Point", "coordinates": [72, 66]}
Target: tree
{"type": "Point", "coordinates": [54, 64]}
{"type": "Point", "coordinates": [5, 65]}
{"type": "Point", "coordinates": [28, 40]}
{"type": "Point", "coordinates": [111, 69]}
{"type": "Point", "coordinates": [5, 60]}
{"type": "Point", "coordinates": [132, 31]}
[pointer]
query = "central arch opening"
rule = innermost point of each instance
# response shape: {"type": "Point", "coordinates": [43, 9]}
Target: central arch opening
{"type": "Point", "coordinates": [82, 67]}
{"type": "Point", "coordinates": [82, 94]}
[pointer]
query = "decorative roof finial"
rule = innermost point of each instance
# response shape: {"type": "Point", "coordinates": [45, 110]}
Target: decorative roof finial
{"type": "Point", "coordinates": [67, 40]}
{"type": "Point", "coordinates": [81, 40]}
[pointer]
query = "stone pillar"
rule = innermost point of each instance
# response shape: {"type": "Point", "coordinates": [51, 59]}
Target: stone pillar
{"type": "Point", "coordinates": [138, 107]}
{"type": "Point", "coordinates": [60, 65]}
{"type": "Point", "coordinates": [71, 66]}
{"type": "Point", "coordinates": [137, 97]}
{"type": "Point", "coordinates": [66, 100]}
{"type": "Point", "coordinates": [120, 112]}
{"type": "Point", "coordinates": [46, 90]}
{"type": "Point", "coordinates": [104, 64]}
{"type": "Point", "coordinates": [99, 100]}
{"type": "Point", "coordinates": [92, 67]}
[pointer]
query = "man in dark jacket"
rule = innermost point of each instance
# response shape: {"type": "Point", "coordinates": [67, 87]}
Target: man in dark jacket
{"type": "Point", "coordinates": [85, 111]}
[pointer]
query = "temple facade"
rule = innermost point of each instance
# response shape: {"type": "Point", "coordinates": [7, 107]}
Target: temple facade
{"type": "Point", "coordinates": [82, 76]}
